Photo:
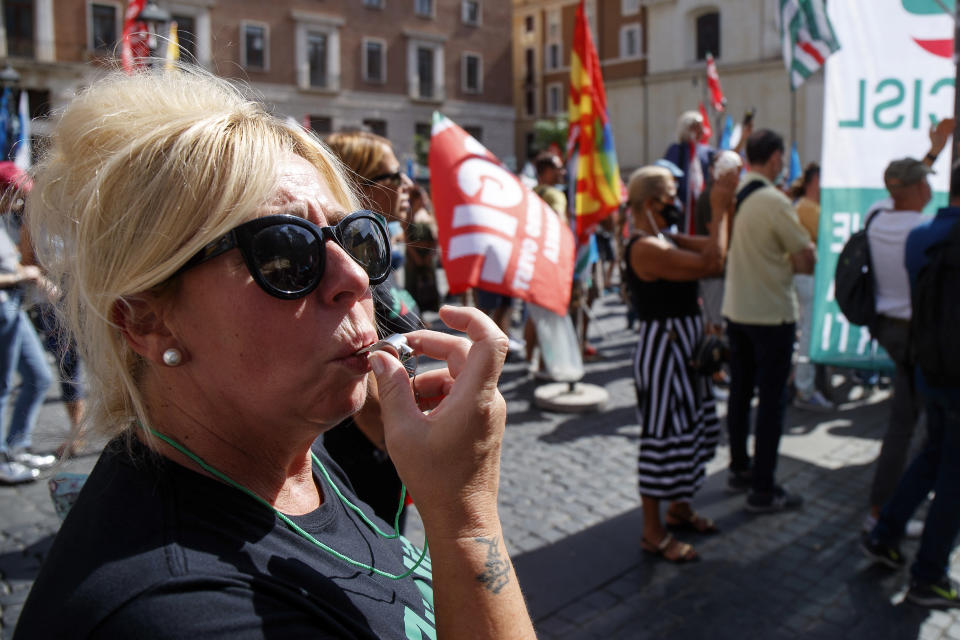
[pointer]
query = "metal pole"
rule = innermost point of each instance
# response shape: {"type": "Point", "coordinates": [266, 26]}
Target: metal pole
{"type": "Point", "coordinates": [793, 117]}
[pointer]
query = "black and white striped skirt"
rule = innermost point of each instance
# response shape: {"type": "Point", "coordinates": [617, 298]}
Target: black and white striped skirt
{"type": "Point", "coordinates": [676, 409]}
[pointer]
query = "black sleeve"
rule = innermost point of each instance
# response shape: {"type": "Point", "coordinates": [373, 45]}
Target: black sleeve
{"type": "Point", "coordinates": [215, 609]}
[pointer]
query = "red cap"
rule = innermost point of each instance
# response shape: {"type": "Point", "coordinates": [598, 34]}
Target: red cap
{"type": "Point", "coordinates": [13, 176]}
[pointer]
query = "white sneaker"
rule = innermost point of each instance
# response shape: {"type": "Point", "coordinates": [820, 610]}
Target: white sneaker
{"type": "Point", "coordinates": [914, 529]}
{"type": "Point", "coordinates": [33, 460]}
{"type": "Point", "coordinates": [16, 473]}
{"type": "Point", "coordinates": [813, 402]}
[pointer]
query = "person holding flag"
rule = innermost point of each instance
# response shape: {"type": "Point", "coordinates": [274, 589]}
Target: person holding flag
{"type": "Point", "coordinates": [692, 157]}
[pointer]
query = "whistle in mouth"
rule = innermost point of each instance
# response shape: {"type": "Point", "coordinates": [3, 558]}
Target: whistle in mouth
{"type": "Point", "coordinates": [396, 345]}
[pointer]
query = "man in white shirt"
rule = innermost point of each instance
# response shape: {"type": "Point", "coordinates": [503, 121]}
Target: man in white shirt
{"type": "Point", "coordinates": [906, 180]}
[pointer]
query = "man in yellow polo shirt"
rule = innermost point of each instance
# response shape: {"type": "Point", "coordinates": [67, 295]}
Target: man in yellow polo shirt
{"type": "Point", "coordinates": [768, 246]}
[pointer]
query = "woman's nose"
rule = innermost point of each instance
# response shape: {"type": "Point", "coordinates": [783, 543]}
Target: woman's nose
{"type": "Point", "coordinates": [344, 280]}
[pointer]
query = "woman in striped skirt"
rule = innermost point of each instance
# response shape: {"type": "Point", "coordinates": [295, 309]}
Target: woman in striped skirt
{"type": "Point", "coordinates": [675, 404]}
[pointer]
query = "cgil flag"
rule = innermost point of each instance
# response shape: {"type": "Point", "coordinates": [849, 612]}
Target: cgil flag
{"type": "Point", "coordinates": [495, 232]}
{"type": "Point", "coordinates": [594, 159]}
{"type": "Point", "coordinates": [133, 44]}
{"type": "Point", "coordinates": [717, 100]}
{"type": "Point", "coordinates": [808, 38]}
{"type": "Point", "coordinates": [707, 129]}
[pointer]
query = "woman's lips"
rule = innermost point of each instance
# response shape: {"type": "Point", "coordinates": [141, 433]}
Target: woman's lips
{"type": "Point", "coordinates": [356, 361]}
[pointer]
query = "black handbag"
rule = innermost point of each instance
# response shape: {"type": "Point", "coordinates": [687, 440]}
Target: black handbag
{"type": "Point", "coordinates": [709, 354]}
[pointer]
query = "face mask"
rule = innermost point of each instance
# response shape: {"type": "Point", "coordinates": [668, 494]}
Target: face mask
{"type": "Point", "coordinates": [672, 217]}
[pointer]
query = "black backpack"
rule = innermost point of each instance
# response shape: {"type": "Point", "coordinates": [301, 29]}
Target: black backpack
{"type": "Point", "coordinates": [936, 313]}
{"type": "Point", "coordinates": [853, 282]}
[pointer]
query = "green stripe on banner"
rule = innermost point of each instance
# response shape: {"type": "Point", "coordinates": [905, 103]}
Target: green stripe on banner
{"type": "Point", "coordinates": [834, 340]}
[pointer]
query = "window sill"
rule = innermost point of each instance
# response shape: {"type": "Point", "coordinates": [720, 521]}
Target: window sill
{"type": "Point", "coordinates": [433, 100]}
{"type": "Point", "coordinates": [326, 91]}
{"type": "Point", "coordinates": [97, 55]}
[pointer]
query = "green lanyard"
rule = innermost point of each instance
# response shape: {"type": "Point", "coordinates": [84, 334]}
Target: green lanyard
{"type": "Point", "coordinates": [290, 523]}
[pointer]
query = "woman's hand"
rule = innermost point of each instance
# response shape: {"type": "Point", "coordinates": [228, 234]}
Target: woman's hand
{"type": "Point", "coordinates": [723, 194]}
{"type": "Point", "coordinates": [449, 458]}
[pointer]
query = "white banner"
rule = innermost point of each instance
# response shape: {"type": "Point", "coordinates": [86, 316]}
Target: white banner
{"type": "Point", "coordinates": [892, 78]}
{"type": "Point", "coordinates": [884, 89]}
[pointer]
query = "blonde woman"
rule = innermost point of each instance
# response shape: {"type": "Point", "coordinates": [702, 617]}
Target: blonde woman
{"type": "Point", "coordinates": [675, 403]}
{"type": "Point", "coordinates": [219, 287]}
{"type": "Point", "coordinates": [358, 445]}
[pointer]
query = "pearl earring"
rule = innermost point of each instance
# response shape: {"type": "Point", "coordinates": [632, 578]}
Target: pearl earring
{"type": "Point", "coordinates": [171, 357]}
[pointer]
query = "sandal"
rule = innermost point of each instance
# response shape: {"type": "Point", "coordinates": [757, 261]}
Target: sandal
{"type": "Point", "coordinates": [670, 549]}
{"type": "Point", "coordinates": [691, 521]}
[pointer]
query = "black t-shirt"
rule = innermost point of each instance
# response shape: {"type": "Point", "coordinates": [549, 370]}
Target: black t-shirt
{"type": "Point", "coordinates": [152, 549]}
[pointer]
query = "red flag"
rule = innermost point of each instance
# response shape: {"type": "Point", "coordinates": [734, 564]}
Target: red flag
{"type": "Point", "coordinates": [133, 45]}
{"type": "Point", "coordinates": [717, 101]}
{"type": "Point", "coordinates": [495, 232]}
{"type": "Point", "coordinates": [707, 129]}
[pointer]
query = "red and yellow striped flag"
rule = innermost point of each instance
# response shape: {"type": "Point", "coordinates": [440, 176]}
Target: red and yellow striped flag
{"type": "Point", "coordinates": [593, 157]}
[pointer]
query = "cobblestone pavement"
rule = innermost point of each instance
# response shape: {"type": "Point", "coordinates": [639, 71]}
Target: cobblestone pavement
{"type": "Point", "coordinates": [571, 518]}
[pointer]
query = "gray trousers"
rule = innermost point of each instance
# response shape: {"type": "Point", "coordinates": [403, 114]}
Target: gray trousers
{"type": "Point", "coordinates": [894, 336]}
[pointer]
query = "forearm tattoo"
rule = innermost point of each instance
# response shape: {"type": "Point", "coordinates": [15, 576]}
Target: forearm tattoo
{"type": "Point", "coordinates": [496, 572]}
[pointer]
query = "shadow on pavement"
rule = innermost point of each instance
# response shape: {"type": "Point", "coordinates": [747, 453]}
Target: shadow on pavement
{"type": "Point", "coordinates": [24, 564]}
{"type": "Point", "coordinates": [614, 422]}
{"type": "Point", "coordinates": [788, 575]}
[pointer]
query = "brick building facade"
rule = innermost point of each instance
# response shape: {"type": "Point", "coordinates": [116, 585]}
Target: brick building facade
{"type": "Point", "coordinates": [383, 65]}
{"type": "Point", "coordinates": [543, 38]}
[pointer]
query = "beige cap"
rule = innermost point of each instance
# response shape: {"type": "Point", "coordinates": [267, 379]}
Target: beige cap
{"type": "Point", "coordinates": [905, 172]}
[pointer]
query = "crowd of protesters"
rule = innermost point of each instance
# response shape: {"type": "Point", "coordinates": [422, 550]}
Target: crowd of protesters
{"type": "Point", "coordinates": [765, 295]}
{"type": "Point", "coordinates": [714, 259]}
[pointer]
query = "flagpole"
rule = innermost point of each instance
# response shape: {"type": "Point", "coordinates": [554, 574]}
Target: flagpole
{"type": "Point", "coordinates": [793, 115]}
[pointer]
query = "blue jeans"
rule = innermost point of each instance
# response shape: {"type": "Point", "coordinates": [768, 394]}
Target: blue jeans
{"type": "Point", "coordinates": [937, 468]}
{"type": "Point", "coordinates": [760, 358]}
{"type": "Point", "coordinates": [20, 350]}
{"type": "Point", "coordinates": [62, 346]}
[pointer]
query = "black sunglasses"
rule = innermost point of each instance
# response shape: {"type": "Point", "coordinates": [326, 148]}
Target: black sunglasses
{"type": "Point", "coordinates": [286, 254]}
{"type": "Point", "coordinates": [396, 177]}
